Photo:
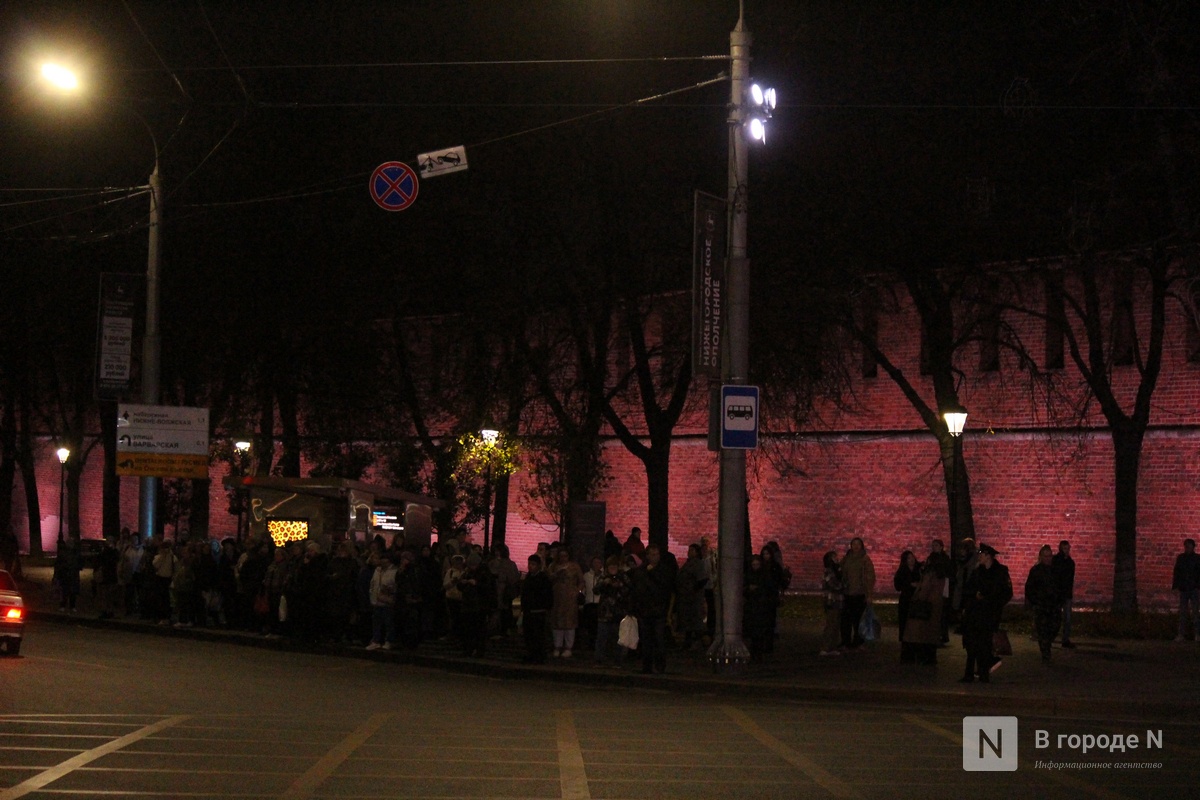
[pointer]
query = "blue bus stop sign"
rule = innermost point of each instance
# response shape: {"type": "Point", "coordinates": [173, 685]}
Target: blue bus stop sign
{"type": "Point", "coordinates": [739, 417]}
{"type": "Point", "coordinates": [394, 186]}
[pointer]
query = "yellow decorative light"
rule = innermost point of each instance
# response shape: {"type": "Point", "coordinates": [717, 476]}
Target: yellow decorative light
{"type": "Point", "coordinates": [283, 531]}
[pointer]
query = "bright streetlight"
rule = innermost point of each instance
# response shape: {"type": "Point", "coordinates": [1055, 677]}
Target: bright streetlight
{"type": "Point", "coordinates": [60, 77]}
{"type": "Point", "coordinates": [956, 419]}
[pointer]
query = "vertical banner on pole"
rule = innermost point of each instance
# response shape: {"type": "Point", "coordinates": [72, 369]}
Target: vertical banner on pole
{"type": "Point", "coordinates": [114, 335]}
{"type": "Point", "coordinates": [708, 283]}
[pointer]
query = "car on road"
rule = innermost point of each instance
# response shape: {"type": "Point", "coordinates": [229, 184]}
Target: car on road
{"type": "Point", "coordinates": [12, 614]}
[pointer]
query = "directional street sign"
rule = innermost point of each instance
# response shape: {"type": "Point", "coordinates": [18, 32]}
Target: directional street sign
{"type": "Point", "coordinates": [394, 186]}
{"type": "Point", "coordinates": [739, 417]}
{"type": "Point", "coordinates": [440, 162]}
{"type": "Point", "coordinates": [162, 441]}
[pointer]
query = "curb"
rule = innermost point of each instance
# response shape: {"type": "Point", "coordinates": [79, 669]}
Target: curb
{"type": "Point", "coordinates": [972, 701]}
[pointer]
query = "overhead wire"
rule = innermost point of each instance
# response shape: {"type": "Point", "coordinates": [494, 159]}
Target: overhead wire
{"type": "Point", "coordinates": [473, 63]}
{"type": "Point", "coordinates": [535, 129]}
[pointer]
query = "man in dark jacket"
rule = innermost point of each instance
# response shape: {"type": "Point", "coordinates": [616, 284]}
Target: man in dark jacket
{"type": "Point", "coordinates": [653, 583]}
{"type": "Point", "coordinates": [1063, 567]}
{"type": "Point", "coordinates": [537, 596]}
{"type": "Point", "coordinates": [1186, 581]}
{"type": "Point", "coordinates": [986, 591]}
{"type": "Point", "coordinates": [1041, 594]}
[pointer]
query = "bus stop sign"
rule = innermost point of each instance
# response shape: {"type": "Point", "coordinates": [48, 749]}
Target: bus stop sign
{"type": "Point", "coordinates": [739, 417]}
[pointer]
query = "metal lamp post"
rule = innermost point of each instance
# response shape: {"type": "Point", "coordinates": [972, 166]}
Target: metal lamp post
{"type": "Point", "coordinates": [489, 436]}
{"type": "Point", "coordinates": [242, 448]}
{"type": "Point", "coordinates": [64, 79]}
{"type": "Point", "coordinates": [63, 454]}
{"type": "Point", "coordinates": [749, 107]}
{"type": "Point", "coordinates": [956, 419]}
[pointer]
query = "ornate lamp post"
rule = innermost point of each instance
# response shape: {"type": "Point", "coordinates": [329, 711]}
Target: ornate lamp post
{"type": "Point", "coordinates": [490, 436]}
{"type": "Point", "coordinates": [956, 419]}
{"type": "Point", "coordinates": [242, 449]}
{"type": "Point", "coordinates": [63, 454]}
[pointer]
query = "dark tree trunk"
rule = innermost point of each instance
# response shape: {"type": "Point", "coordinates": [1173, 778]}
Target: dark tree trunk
{"type": "Point", "coordinates": [111, 490]}
{"type": "Point", "coordinates": [264, 447]}
{"type": "Point", "coordinates": [8, 466]}
{"type": "Point", "coordinates": [658, 476]}
{"type": "Point", "coordinates": [500, 511]}
{"type": "Point", "coordinates": [74, 469]}
{"type": "Point", "coordinates": [1127, 455]}
{"type": "Point", "coordinates": [33, 506]}
{"type": "Point", "coordinates": [289, 459]}
{"type": "Point", "coordinates": [958, 489]}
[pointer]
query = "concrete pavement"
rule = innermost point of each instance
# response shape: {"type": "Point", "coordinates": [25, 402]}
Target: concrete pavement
{"type": "Point", "coordinates": [1152, 680]}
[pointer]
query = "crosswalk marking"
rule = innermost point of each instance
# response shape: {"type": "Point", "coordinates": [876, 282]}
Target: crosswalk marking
{"type": "Point", "coordinates": [572, 773]}
{"type": "Point", "coordinates": [318, 772]}
{"type": "Point", "coordinates": [823, 778]}
{"type": "Point", "coordinates": [71, 764]}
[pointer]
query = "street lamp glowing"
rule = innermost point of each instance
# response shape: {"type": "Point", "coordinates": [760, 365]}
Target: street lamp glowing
{"type": "Point", "coordinates": [760, 104]}
{"type": "Point", "coordinates": [758, 130]}
{"type": "Point", "coordinates": [242, 445]}
{"type": "Point", "coordinates": [489, 436]}
{"type": "Point", "coordinates": [63, 454]}
{"type": "Point", "coordinates": [60, 77]}
{"type": "Point", "coordinates": [956, 420]}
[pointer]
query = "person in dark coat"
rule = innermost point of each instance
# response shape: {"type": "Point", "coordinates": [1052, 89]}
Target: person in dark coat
{"type": "Point", "coordinates": [908, 574]}
{"type": "Point", "coordinates": [1041, 594]}
{"type": "Point", "coordinates": [478, 589]}
{"type": "Point", "coordinates": [311, 588]}
{"type": "Point", "coordinates": [653, 584]}
{"type": "Point", "coordinates": [1063, 567]}
{"type": "Point", "coordinates": [537, 596]}
{"type": "Point", "coordinates": [690, 583]}
{"type": "Point", "coordinates": [1186, 580]}
{"type": "Point", "coordinates": [343, 572]}
{"type": "Point", "coordinates": [612, 545]}
{"type": "Point", "coordinates": [940, 560]}
{"type": "Point", "coordinates": [986, 591]}
{"type": "Point", "coordinates": [66, 574]}
{"type": "Point", "coordinates": [756, 616]}
{"type": "Point", "coordinates": [923, 628]}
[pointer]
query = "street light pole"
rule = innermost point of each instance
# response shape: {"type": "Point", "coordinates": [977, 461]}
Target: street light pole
{"type": "Point", "coordinates": [729, 650]}
{"type": "Point", "coordinates": [490, 436]}
{"type": "Point", "coordinates": [63, 454]}
{"type": "Point", "coordinates": [151, 344]}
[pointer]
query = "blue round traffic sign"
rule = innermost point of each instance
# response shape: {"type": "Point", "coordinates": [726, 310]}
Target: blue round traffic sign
{"type": "Point", "coordinates": [394, 186]}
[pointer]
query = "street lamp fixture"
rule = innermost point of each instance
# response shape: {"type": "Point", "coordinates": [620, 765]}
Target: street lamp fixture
{"type": "Point", "coordinates": [60, 77]}
{"type": "Point", "coordinates": [489, 436]}
{"type": "Point", "coordinates": [956, 420]}
{"type": "Point", "coordinates": [242, 448]}
{"type": "Point", "coordinates": [760, 106]}
{"type": "Point", "coordinates": [63, 454]}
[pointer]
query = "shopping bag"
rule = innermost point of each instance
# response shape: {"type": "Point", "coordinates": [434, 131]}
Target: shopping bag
{"type": "Point", "coordinates": [1001, 646]}
{"type": "Point", "coordinates": [627, 634]}
{"type": "Point", "coordinates": [283, 611]}
{"type": "Point", "coordinates": [868, 627]}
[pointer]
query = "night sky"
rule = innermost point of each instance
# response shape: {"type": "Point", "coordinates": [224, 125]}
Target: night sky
{"type": "Point", "coordinates": [271, 115]}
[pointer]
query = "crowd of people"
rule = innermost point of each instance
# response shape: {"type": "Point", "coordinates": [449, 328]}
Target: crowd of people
{"type": "Point", "coordinates": [382, 595]}
{"type": "Point", "coordinates": [969, 590]}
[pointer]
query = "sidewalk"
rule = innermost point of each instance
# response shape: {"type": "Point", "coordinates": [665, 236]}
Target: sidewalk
{"type": "Point", "coordinates": [1147, 680]}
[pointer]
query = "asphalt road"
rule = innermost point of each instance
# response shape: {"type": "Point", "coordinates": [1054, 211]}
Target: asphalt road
{"type": "Point", "coordinates": [99, 713]}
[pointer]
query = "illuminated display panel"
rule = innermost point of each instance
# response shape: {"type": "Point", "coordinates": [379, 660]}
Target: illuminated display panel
{"type": "Point", "coordinates": [283, 531]}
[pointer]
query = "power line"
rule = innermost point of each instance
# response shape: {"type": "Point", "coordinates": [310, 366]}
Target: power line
{"type": "Point", "coordinates": [426, 64]}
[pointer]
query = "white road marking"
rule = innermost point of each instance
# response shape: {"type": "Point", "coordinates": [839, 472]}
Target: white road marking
{"type": "Point", "coordinates": [307, 783]}
{"type": "Point", "coordinates": [572, 774]}
{"type": "Point", "coordinates": [823, 778]}
{"type": "Point", "coordinates": [71, 764]}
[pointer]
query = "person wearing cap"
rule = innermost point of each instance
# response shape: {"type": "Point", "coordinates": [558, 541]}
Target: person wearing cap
{"type": "Point", "coordinates": [987, 591]}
